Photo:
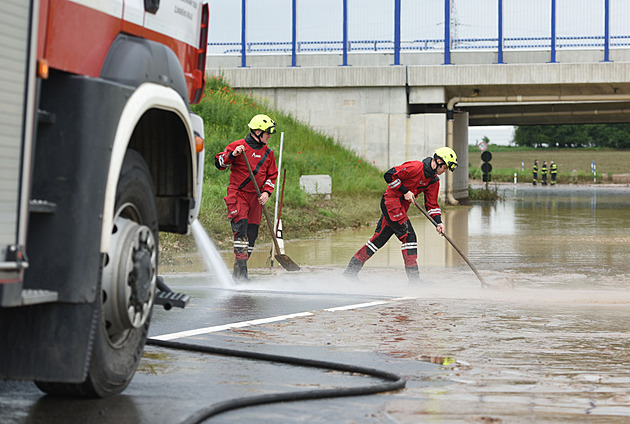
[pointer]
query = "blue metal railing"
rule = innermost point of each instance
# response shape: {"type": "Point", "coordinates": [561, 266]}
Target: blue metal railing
{"type": "Point", "coordinates": [500, 31]}
{"type": "Point", "coordinates": [449, 43]}
{"type": "Point", "coordinates": [385, 46]}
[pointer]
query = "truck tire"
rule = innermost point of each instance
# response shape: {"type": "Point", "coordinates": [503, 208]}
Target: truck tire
{"type": "Point", "coordinates": [128, 285]}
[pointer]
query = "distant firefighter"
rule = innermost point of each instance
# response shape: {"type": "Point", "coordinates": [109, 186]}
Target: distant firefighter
{"type": "Point", "coordinates": [554, 172]}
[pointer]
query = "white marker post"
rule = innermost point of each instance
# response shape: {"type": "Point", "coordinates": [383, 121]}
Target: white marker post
{"type": "Point", "coordinates": [277, 228]}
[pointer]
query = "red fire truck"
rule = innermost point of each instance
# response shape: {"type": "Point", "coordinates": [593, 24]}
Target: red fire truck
{"type": "Point", "coordinates": [98, 152]}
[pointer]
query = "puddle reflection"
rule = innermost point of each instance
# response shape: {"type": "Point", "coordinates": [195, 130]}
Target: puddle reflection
{"type": "Point", "coordinates": [552, 236]}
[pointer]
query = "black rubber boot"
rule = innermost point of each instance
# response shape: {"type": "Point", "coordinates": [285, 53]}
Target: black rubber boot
{"type": "Point", "coordinates": [240, 270]}
{"type": "Point", "coordinates": [353, 269]}
{"type": "Point", "coordinates": [413, 274]}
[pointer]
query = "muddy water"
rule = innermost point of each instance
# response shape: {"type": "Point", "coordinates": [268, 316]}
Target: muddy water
{"type": "Point", "coordinates": [506, 359]}
{"type": "Point", "coordinates": [565, 236]}
{"type": "Point", "coordinates": [550, 345]}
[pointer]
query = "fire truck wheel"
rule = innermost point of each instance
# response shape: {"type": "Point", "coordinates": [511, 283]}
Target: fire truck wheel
{"type": "Point", "coordinates": [128, 286]}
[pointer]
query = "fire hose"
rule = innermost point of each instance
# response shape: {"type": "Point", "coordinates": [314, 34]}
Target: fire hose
{"type": "Point", "coordinates": [393, 381]}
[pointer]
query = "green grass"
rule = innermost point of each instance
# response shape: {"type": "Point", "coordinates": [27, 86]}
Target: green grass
{"type": "Point", "coordinates": [356, 185]}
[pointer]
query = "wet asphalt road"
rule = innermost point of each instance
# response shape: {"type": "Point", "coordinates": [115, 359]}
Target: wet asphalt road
{"type": "Point", "coordinates": [512, 355]}
{"type": "Point", "coordinates": [549, 346]}
{"type": "Point", "coordinates": [171, 385]}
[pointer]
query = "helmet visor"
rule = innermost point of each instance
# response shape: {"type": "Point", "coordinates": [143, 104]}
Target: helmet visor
{"type": "Point", "coordinates": [450, 165]}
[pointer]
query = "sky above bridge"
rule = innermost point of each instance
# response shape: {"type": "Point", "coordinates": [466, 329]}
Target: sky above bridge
{"type": "Point", "coordinates": [501, 135]}
{"type": "Point", "coordinates": [271, 20]}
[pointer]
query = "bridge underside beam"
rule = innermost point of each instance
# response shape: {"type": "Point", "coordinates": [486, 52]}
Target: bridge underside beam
{"type": "Point", "coordinates": [551, 113]}
{"type": "Point", "coordinates": [541, 88]}
{"type": "Point", "coordinates": [548, 113]}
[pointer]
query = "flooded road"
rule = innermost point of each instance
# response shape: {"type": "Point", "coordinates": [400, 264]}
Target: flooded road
{"type": "Point", "coordinates": [566, 236]}
{"type": "Point", "coordinates": [552, 345]}
{"type": "Point", "coordinates": [549, 344]}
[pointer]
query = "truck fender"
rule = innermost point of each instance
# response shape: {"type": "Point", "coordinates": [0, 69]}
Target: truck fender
{"type": "Point", "coordinates": [132, 61]}
{"type": "Point", "coordinates": [146, 96]}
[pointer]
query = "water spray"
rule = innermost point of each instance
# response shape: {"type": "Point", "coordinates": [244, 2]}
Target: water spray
{"type": "Point", "coordinates": [211, 256]}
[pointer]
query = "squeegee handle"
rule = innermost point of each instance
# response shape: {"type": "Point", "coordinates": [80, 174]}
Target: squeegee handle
{"type": "Point", "coordinates": [251, 175]}
{"type": "Point", "coordinates": [424, 212]}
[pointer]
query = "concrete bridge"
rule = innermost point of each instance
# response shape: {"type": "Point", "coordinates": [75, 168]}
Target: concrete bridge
{"type": "Point", "coordinates": [388, 114]}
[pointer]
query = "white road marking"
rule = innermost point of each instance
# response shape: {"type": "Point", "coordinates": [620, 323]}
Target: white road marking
{"type": "Point", "coordinates": [224, 327]}
{"type": "Point", "coordinates": [217, 328]}
{"type": "Point", "coordinates": [366, 305]}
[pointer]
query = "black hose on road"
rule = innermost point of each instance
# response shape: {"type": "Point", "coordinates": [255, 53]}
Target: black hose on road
{"type": "Point", "coordinates": [395, 381]}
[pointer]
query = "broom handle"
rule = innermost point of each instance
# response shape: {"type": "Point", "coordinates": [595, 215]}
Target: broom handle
{"type": "Point", "coordinates": [251, 175]}
{"type": "Point", "coordinates": [483, 283]}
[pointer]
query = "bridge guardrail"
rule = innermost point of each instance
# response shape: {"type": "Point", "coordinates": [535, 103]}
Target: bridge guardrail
{"type": "Point", "coordinates": [580, 24]}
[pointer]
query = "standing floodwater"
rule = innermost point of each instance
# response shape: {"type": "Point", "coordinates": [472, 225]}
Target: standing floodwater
{"type": "Point", "coordinates": [558, 237]}
{"type": "Point", "coordinates": [552, 348]}
{"type": "Point", "coordinates": [555, 237]}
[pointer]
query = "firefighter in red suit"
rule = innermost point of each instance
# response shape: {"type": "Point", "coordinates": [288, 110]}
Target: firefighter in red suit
{"type": "Point", "coordinates": [244, 207]}
{"type": "Point", "coordinates": [406, 182]}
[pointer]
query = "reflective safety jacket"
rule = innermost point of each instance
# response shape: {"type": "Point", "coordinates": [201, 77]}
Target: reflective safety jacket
{"type": "Point", "coordinates": [417, 177]}
{"type": "Point", "coordinates": [535, 167]}
{"type": "Point", "coordinates": [261, 159]}
{"type": "Point", "coordinates": [554, 168]}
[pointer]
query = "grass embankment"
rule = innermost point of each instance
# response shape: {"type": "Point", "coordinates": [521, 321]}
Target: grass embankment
{"type": "Point", "coordinates": [356, 185]}
{"type": "Point", "coordinates": [574, 165]}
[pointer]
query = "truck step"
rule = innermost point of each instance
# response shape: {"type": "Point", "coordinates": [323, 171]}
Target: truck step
{"type": "Point", "coordinates": [170, 299]}
{"type": "Point", "coordinates": [35, 296]}
{"type": "Point", "coordinates": [41, 206]}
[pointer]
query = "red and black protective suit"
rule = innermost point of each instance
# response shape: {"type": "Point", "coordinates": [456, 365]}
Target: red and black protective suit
{"type": "Point", "coordinates": [417, 177]}
{"type": "Point", "coordinates": [243, 208]}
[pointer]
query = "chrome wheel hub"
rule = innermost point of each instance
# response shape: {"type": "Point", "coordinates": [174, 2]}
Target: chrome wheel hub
{"type": "Point", "coordinates": [129, 278]}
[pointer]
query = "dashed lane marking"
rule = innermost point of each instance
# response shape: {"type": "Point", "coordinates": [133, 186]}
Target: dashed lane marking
{"type": "Point", "coordinates": [366, 305]}
{"type": "Point", "coordinates": [250, 323]}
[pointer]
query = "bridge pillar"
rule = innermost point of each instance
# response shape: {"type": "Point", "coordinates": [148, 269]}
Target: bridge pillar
{"type": "Point", "coordinates": [460, 145]}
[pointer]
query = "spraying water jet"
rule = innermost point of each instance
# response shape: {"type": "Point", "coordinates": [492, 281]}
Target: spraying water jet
{"type": "Point", "coordinates": [211, 256]}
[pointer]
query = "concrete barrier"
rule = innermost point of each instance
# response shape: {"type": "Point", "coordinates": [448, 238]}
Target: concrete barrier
{"type": "Point", "coordinates": [317, 185]}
